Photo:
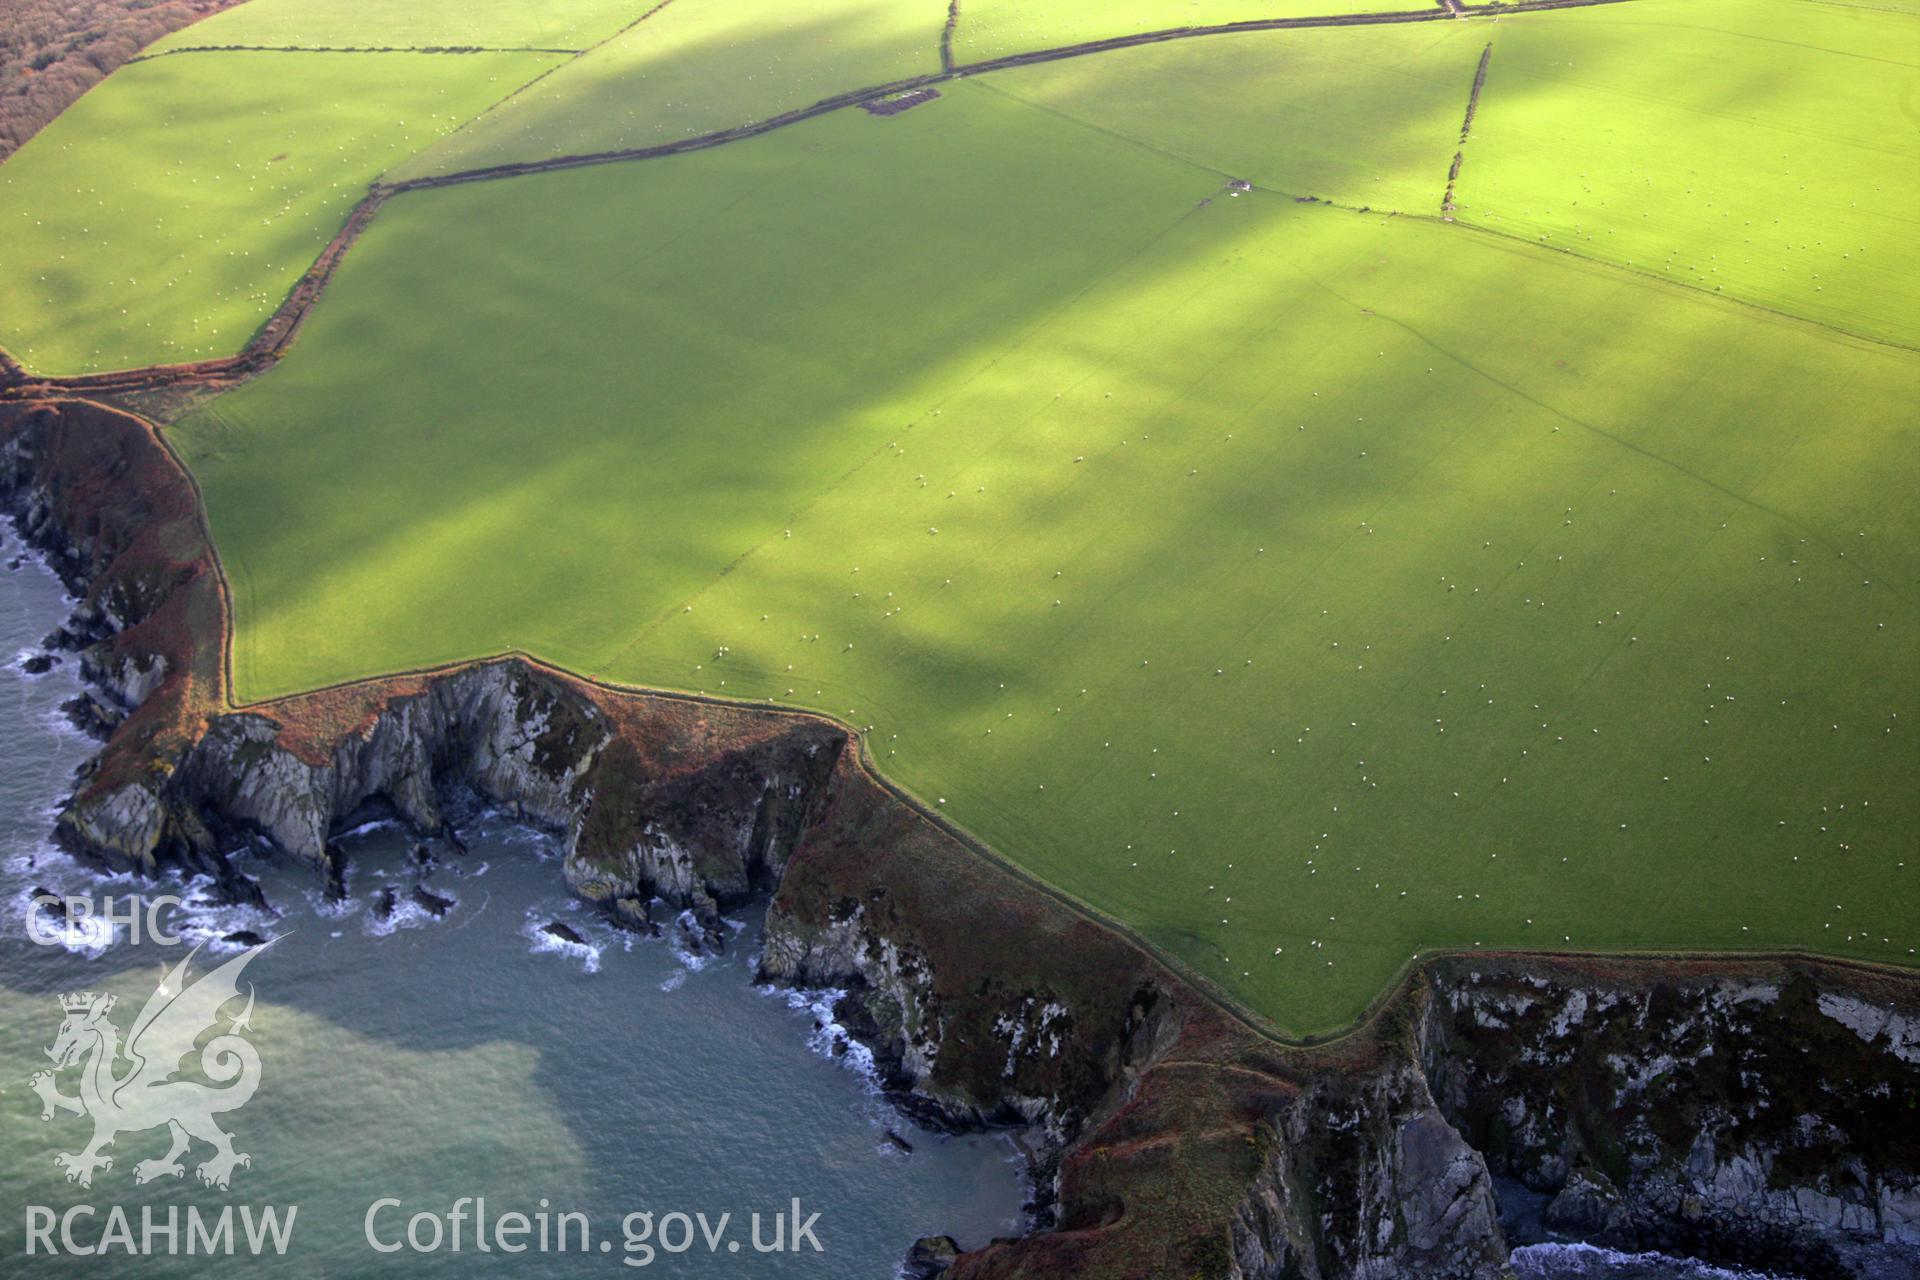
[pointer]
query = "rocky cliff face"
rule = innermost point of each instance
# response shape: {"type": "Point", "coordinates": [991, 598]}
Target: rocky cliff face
{"type": "Point", "coordinates": [1754, 1110]}
{"type": "Point", "coordinates": [1747, 1114]}
{"type": "Point", "coordinates": [1366, 1178]}
{"type": "Point", "coordinates": [979, 1009]}
{"type": "Point", "coordinates": [498, 730]}
{"type": "Point", "coordinates": [699, 834]}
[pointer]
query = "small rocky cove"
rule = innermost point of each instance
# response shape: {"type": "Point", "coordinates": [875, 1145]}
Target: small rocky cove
{"type": "Point", "coordinates": [1762, 1113]}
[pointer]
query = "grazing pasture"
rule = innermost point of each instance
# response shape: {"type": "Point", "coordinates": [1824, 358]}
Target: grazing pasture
{"type": "Point", "coordinates": [548, 24]}
{"type": "Point", "coordinates": [995, 28]}
{"type": "Point", "coordinates": [167, 213]}
{"type": "Point", "coordinates": [1356, 115]}
{"type": "Point", "coordinates": [701, 344]}
{"type": "Point", "coordinates": [692, 68]}
{"type": "Point", "coordinates": [1301, 587]}
{"type": "Point", "coordinates": [1764, 149]}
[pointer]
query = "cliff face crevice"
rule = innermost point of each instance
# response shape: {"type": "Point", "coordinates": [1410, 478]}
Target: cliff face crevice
{"type": "Point", "coordinates": [1753, 1110]}
{"type": "Point", "coordinates": [707, 836]}
{"type": "Point", "coordinates": [480, 729]}
{"type": "Point", "coordinates": [1364, 1177]}
{"type": "Point", "coordinates": [1000, 1053]}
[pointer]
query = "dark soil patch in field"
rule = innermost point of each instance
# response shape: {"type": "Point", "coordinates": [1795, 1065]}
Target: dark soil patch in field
{"type": "Point", "coordinates": [900, 102]}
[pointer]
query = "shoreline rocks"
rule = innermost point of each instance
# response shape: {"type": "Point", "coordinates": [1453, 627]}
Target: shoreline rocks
{"type": "Point", "coordinates": [563, 932]}
{"type": "Point", "coordinates": [434, 904]}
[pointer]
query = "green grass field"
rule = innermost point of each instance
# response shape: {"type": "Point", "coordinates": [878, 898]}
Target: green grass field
{"type": "Point", "coordinates": [1378, 575]}
{"type": "Point", "coordinates": [167, 213]}
{"type": "Point", "coordinates": [667, 322]}
{"type": "Point", "coordinates": [1360, 116]}
{"type": "Point", "coordinates": [694, 68]}
{"type": "Point", "coordinates": [995, 28]}
{"type": "Point", "coordinates": [1761, 148]}
{"type": "Point", "coordinates": [544, 24]}
{"type": "Point", "coordinates": [1302, 585]}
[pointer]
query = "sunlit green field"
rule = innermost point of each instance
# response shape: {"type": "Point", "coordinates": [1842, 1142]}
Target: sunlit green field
{"type": "Point", "coordinates": [702, 345]}
{"type": "Point", "coordinates": [545, 24]}
{"type": "Point", "coordinates": [994, 28]}
{"type": "Point", "coordinates": [1303, 585]}
{"type": "Point", "coordinates": [694, 68]}
{"type": "Point", "coordinates": [167, 213]}
{"type": "Point", "coordinates": [1360, 116]}
{"type": "Point", "coordinates": [1767, 149]}
{"type": "Point", "coordinates": [1405, 586]}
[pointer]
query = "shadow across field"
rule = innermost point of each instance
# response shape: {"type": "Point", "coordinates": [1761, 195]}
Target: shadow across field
{"type": "Point", "coordinates": [1185, 551]}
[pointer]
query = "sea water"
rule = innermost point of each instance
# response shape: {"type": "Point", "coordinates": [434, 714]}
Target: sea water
{"type": "Point", "coordinates": [409, 1062]}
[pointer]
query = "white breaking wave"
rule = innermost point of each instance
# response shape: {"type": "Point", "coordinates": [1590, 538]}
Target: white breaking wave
{"type": "Point", "coordinates": [88, 936]}
{"type": "Point", "coordinates": [368, 828]}
{"type": "Point", "coordinates": [535, 931]}
{"type": "Point", "coordinates": [406, 914]}
{"type": "Point", "coordinates": [1593, 1262]}
{"type": "Point", "coordinates": [827, 1032]}
{"type": "Point", "coordinates": [208, 924]}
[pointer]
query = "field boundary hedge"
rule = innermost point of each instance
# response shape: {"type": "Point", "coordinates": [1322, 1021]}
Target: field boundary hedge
{"type": "Point", "coordinates": [1466, 129]}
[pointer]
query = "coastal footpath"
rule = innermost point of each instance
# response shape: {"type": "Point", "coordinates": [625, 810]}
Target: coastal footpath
{"type": "Point", "coordinates": [1752, 1110]}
